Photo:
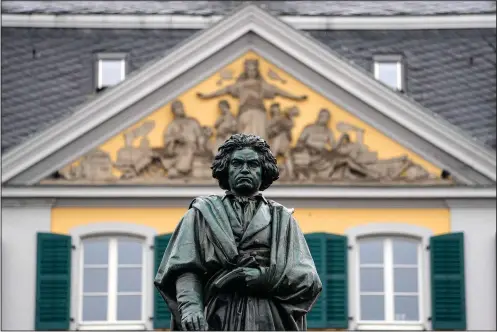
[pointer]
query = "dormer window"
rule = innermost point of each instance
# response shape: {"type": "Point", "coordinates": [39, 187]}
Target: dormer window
{"type": "Point", "coordinates": [389, 69]}
{"type": "Point", "coordinates": [110, 69]}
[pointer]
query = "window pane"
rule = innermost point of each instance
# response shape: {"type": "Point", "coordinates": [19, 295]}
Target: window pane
{"type": "Point", "coordinates": [96, 251]}
{"type": "Point", "coordinates": [371, 279]}
{"type": "Point", "coordinates": [94, 308]}
{"type": "Point", "coordinates": [387, 73]}
{"type": "Point", "coordinates": [371, 251]}
{"type": "Point", "coordinates": [110, 71]}
{"type": "Point", "coordinates": [405, 251]}
{"type": "Point", "coordinates": [129, 307]}
{"type": "Point", "coordinates": [406, 308]}
{"type": "Point", "coordinates": [405, 279]}
{"type": "Point", "coordinates": [95, 280]}
{"type": "Point", "coordinates": [372, 307]}
{"type": "Point", "coordinates": [129, 279]}
{"type": "Point", "coordinates": [129, 251]}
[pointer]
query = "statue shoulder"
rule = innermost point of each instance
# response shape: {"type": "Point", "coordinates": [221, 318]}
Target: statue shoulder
{"type": "Point", "coordinates": [277, 205]}
{"type": "Point", "coordinates": [205, 200]}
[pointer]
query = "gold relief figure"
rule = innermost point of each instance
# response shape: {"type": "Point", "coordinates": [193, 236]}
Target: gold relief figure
{"type": "Point", "coordinates": [311, 155]}
{"type": "Point", "coordinates": [204, 155]}
{"type": "Point", "coordinates": [181, 139]}
{"type": "Point", "coordinates": [132, 160]}
{"type": "Point", "coordinates": [225, 125]}
{"type": "Point", "coordinates": [251, 89]}
{"type": "Point", "coordinates": [280, 135]}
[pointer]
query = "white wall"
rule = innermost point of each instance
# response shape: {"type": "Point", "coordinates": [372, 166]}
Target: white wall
{"type": "Point", "coordinates": [19, 227]}
{"type": "Point", "coordinates": [476, 218]}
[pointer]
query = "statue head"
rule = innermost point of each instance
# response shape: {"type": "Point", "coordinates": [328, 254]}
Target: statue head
{"type": "Point", "coordinates": [250, 70]}
{"type": "Point", "coordinates": [324, 117]}
{"type": "Point", "coordinates": [224, 106]}
{"type": "Point", "coordinates": [245, 165]}
{"type": "Point", "coordinates": [274, 110]}
{"type": "Point", "coordinates": [178, 109]}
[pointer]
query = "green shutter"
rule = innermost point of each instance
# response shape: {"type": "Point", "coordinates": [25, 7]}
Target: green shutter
{"type": "Point", "coordinates": [447, 282]}
{"type": "Point", "coordinates": [316, 318]}
{"type": "Point", "coordinates": [162, 315]}
{"type": "Point", "coordinates": [53, 282]}
{"type": "Point", "coordinates": [329, 252]}
{"type": "Point", "coordinates": [337, 309]}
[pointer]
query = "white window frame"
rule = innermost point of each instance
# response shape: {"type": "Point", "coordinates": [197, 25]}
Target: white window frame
{"type": "Point", "coordinates": [388, 230]}
{"type": "Point", "coordinates": [388, 279]}
{"type": "Point", "coordinates": [102, 57]}
{"type": "Point", "coordinates": [391, 59]}
{"type": "Point", "coordinates": [112, 230]}
{"type": "Point", "coordinates": [112, 291]}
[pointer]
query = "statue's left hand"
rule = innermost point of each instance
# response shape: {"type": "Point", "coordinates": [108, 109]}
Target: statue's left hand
{"type": "Point", "coordinates": [302, 98]}
{"type": "Point", "coordinates": [252, 276]}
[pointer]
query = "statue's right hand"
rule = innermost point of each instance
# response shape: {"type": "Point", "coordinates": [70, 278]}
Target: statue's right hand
{"type": "Point", "coordinates": [200, 95]}
{"type": "Point", "coordinates": [193, 321]}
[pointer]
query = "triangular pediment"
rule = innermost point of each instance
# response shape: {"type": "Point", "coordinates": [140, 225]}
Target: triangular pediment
{"type": "Point", "coordinates": [130, 136]}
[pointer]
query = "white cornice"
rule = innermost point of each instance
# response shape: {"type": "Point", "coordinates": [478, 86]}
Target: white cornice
{"type": "Point", "coordinates": [290, 191]}
{"type": "Point", "coordinates": [202, 22]}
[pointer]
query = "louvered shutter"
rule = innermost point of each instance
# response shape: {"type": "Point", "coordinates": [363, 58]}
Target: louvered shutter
{"type": "Point", "coordinates": [337, 313]}
{"type": "Point", "coordinates": [53, 282]}
{"type": "Point", "coordinates": [329, 252]}
{"type": "Point", "coordinates": [316, 318]}
{"type": "Point", "coordinates": [447, 282]}
{"type": "Point", "coordinates": [162, 315]}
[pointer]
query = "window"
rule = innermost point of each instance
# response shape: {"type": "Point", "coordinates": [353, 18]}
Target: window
{"type": "Point", "coordinates": [112, 288]}
{"type": "Point", "coordinates": [111, 70]}
{"type": "Point", "coordinates": [389, 70]}
{"type": "Point", "coordinates": [390, 281]}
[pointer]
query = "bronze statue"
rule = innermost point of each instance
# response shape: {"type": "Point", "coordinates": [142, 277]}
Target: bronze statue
{"type": "Point", "coordinates": [239, 261]}
{"type": "Point", "coordinates": [251, 89]}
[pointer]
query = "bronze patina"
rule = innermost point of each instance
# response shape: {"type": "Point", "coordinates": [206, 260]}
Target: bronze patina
{"type": "Point", "coordinates": [239, 261]}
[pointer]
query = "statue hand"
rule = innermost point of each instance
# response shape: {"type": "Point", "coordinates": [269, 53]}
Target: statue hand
{"type": "Point", "coordinates": [201, 95]}
{"type": "Point", "coordinates": [193, 321]}
{"type": "Point", "coordinates": [302, 98]}
{"type": "Point", "coordinates": [252, 276]}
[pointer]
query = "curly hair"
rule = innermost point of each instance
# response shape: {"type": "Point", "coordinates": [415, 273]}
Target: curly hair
{"type": "Point", "coordinates": [220, 165]}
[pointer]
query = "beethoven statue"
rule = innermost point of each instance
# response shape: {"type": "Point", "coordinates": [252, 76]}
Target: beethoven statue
{"type": "Point", "coordinates": [239, 261]}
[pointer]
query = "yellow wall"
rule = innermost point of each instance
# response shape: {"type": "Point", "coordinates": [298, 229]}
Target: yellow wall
{"type": "Point", "coordinates": [164, 220]}
{"type": "Point", "coordinates": [206, 111]}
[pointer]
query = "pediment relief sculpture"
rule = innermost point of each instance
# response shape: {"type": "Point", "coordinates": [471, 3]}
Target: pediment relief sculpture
{"type": "Point", "coordinates": [319, 154]}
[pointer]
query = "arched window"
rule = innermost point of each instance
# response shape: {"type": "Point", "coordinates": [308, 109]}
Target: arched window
{"type": "Point", "coordinates": [113, 274]}
{"type": "Point", "coordinates": [390, 280]}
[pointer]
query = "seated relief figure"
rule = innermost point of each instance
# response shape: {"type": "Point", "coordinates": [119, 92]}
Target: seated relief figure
{"type": "Point", "coordinates": [239, 261]}
{"type": "Point", "coordinates": [251, 90]}
{"type": "Point", "coordinates": [181, 141]}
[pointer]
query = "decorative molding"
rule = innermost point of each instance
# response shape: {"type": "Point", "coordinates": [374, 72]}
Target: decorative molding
{"type": "Point", "coordinates": [195, 22]}
{"type": "Point", "coordinates": [276, 191]}
{"type": "Point", "coordinates": [317, 57]}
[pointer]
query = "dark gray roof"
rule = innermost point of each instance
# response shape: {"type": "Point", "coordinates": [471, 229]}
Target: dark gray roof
{"type": "Point", "coordinates": [46, 73]}
{"type": "Point", "coordinates": [338, 8]}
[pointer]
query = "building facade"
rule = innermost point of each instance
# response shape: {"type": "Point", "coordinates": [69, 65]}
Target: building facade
{"type": "Point", "coordinates": [385, 138]}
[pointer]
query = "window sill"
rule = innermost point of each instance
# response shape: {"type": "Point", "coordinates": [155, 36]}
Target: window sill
{"type": "Point", "coordinates": [390, 327]}
{"type": "Point", "coordinates": [111, 327]}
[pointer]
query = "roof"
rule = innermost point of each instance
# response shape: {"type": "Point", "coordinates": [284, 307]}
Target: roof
{"type": "Point", "coordinates": [332, 8]}
{"type": "Point", "coordinates": [198, 57]}
{"type": "Point", "coordinates": [47, 73]}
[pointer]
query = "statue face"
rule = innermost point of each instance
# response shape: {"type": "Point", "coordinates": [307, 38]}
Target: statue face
{"type": "Point", "coordinates": [245, 172]}
{"type": "Point", "coordinates": [274, 110]}
{"type": "Point", "coordinates": [252, 69]}
{"type": "Point", "coordinates": [324, 118]}
{"type": "Point", "coordinates": [178, 109]}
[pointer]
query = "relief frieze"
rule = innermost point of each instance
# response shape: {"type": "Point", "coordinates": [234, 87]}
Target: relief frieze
{"type": "Point", "coordinates": [320, 154]}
